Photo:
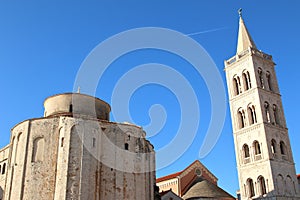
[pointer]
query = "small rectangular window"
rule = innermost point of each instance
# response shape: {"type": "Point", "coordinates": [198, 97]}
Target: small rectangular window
{"type": "Point", "coordinates": [94, 142]}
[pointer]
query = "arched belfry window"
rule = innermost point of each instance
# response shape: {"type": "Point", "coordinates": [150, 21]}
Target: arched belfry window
{"type": "Point", "coordinates": [282, 148]}
{"type": "Point", "coordinates": [267, 112]}
{"type": "Point", "coordinates": [241, 118]}
{"type": "Point", "coordinates": [250, 188]}
{"type": "Point", "coordinates": [268, 76]}
{"type": "Point", "coordinates": [246, 80]}
{"type": "Point", "coordinates": [276, 117]}
{"type": "Point", "coordinates": [261, 78]}
{"type": "Point", "coordinates": [262, 185]}
{"type": "Point", "coordinates": [246, 151]}
{"type": "Point", "coordinates": [252, 114]}
{"type": "Point", "coordinates": [257, 149]}
{"type": "Point", "coordinates": [246, 154]}
{"type": "Point", "coordinates": [237, 85]}
{"type": "Point", "coordinates": [273, 146]}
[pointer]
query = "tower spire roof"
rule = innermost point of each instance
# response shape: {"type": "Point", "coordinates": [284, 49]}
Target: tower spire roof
{"type": "Point", "coordinates": [244, 38]}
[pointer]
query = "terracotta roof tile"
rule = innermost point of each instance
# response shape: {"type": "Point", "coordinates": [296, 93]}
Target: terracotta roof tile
{"type": "Point", "coordinates": [170, 176]}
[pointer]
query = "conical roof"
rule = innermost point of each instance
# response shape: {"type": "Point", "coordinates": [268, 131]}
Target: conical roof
{"type": "Point", "coordinates": [206, 189]}
{"type": "Point", "coordinates": [244, 38]}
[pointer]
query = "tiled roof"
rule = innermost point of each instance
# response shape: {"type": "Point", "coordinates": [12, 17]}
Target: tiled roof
{"type": "Point", "coordinates": [170, 176]}
{"type": "Point", "coordinates": [298, 176]}
{"type": "Point", "coordinates": [174, 175]}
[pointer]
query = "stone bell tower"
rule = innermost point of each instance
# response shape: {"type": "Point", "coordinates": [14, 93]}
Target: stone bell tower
{"type": "Point", "coordinates": [263, 153]}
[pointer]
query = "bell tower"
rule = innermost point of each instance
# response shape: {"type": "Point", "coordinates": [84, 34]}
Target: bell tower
{"type": "Point", "coordinates": [263, 153]}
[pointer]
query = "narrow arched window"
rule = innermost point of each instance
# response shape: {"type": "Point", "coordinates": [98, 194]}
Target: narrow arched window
{"type": "Point", "coordinates": [275, 112]}
{"type": "Point", "coordinates": [262, 185]}
{"type": "Point", "coordinates": [267, 112]}
{"type": "Point", "coordinates": [246, 151]}
{"type": "Point", "coordinates": [261, 79]}
{"type": "Point", "coordinates": [289, 185]}
{"type": "Point", "coordinates": [38, 150]}
{"type": "Point", "coordinates": [273, 146]}
{"type": "Point", "coordinates": [256, 146]}
{"type": "Point", "coordinates": [126, 146]}
{"type": "Point", "coordinates": [4, 168]}
{"type": "Point", "coordinates": [250, 188]}
{"type": "Point", "coordinates": [249, 80]}
{"type": "Point", "coordinates": [237, 85]}
{"type": "Point", "coordinates": [71, 108]}
{"type": "Point", "coordinates": [252, 115]}
{"type": "Point", "coordinates": [0, 168]}
{"type": "Point", "coordinates": [241, 118]}
{"type": "Point", "coordinates": [282, 148]}
{"type": "Point", "coordinates": [280, 184]}
{"type": "Point", "coordinates": [268, 75]}
{"type": "Point", "coordinates": [246, 80]}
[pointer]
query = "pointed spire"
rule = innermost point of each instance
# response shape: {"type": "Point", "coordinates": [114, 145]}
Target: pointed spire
{"type": "Point", "coordinates": [244, 39]}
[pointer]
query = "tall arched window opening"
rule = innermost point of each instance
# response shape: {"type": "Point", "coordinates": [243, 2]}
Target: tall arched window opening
{"type": "Point", "coordinates": [268, 75]}
{"type": "Point", "coordinates": [273, 147]}
{"type": "Point", "coordinates": [252, 115]}
{"type": "Point", "coordinates": [126, 146]}
{"type": "Point", "coordinates": [257, 151]}
{"type": "Point", "coordinates": [256, 146]}
{"type": "Point", "coordinates": [241, 118]}
{"type": "Point", "coordinates": [237, 85]}
{"type": "Point", "coordinates": [267, 112]}
{"type": "Point", "coordinates": [261, 79]}
{"type": "Point", "coordinates": [262, 185]}
{"type": "Point", "coordinates": [282, 148]}
{"type": "Point", "coordinates": [246, 80]}
{"type": "Point", "coordinates": [246, 151]}
{"type": "Point", "coordinates": [250, 188]}
{"type": "Point", "coordinates": [276, 117]}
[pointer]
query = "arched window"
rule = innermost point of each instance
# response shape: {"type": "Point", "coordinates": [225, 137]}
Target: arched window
{"type": "Point", "coordinates": [268, 75]}
{"type": "Point", "coordinates": [275, 112]}
{"type": "Point", "coordinates": [262, 185]}
{"type": "Point", "coordinates": [289, 185]}
{"type": "Point", "coordinates": [246, 151]}
{"type": "Point", "coordinates": [71, 108]}
{"type": "Point", "coordinates": [246, 154]}
{"type": "Point", "coordinates": [252, 115]}
{"type": "Point", "coordinates": [38, 150]}
{"type": "Point", "coordinates": [246, 80]}
{"type": "Point", "coordinates": [237, 85]}
{"type": "Point", "coordinates": [261, 79]}
{"type": "Point", "coordinates": [280, 184]}
{"type": "Point", "coordinates": [256, 146]}
{"type": "Point", "coordinates": [273, 146]}
{"type": "Point", "coordinates": [0, 168]}
{"type": "Point", "coordinates": [282, 148]}
{"type": "Point", "coordinates": [267, 112]}
{"type": "Point", "coordinates": [250, 188]}
{"type": "Point", "coordinates": [4, 168]}
{"type": "Point", "coordinates": [241, 118]}
{"type": "Point", "coordinates": [126, 146]}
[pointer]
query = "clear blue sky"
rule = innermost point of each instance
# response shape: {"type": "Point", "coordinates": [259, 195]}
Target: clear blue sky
{"type": "Point", "coordinates": [43, 43]}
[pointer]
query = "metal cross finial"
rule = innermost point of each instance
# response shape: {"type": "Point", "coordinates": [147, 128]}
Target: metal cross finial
{"type": "Point", "coordinates": [240, 12]}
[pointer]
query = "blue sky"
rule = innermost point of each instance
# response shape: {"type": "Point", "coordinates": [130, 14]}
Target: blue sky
{"type": "Point", "coordinates": [43, 44]}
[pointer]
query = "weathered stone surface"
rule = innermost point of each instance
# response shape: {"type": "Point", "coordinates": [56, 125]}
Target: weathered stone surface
{"type": "Point", "coordinates": [67, 155]}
